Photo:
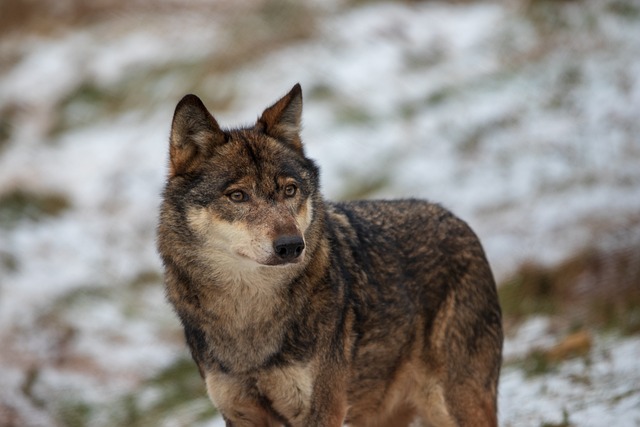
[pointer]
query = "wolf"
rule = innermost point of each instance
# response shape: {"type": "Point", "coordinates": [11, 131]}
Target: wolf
{"type": "Point", "coordinates": [300, 312]}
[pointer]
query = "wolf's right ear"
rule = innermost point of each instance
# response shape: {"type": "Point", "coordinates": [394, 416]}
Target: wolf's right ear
{"type": "Point", "coordinates": [194, 135]}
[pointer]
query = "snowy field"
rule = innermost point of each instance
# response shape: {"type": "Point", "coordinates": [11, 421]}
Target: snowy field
{"type": "Point", "coordinates": [521, 117]}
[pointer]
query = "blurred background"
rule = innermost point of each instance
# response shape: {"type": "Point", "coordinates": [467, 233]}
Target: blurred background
{"type": "Point", "coordinates": [522, 116]}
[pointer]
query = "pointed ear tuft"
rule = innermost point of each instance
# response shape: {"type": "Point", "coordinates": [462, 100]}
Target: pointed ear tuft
{"type": "Point", "coordinates": [194, 135]}
{"type": "Point", "coordinates": [283, 119]}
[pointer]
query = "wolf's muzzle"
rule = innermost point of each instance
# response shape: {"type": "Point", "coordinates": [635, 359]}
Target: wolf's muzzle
{"type": "Point", "coordinates": [288, 248]}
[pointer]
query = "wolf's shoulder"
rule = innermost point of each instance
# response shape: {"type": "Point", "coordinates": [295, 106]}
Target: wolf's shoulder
{"type": "Point", "coordinates": [391, 206]}
{"type": "Point", "coordinates": [403, 218]}
{"type": "Point", "coordinates": [392, 212]}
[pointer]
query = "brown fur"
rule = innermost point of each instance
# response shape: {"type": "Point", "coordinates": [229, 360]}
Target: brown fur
{"type": "Point", "coordinates": [300, 312]}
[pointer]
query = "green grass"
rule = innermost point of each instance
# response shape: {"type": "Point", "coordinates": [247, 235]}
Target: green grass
{"type": "Point", "coordinates": [75, 414]}
{"type": "Point", "coordinates": [8, 262]}
{"type": "Point", "coordinates": [353, 115]}
{"type": "Point", "coordinates": [537, 363]}
{"type": "Point", "coordinates": [625, 8]}
{"type": "Point", "coordinates": [178, 387]}
{"type": "Point", "coordinates": [6, 128]}
{"type": "Point", "coordinates": [180, 382]}
{"type": "Point", "coordinates": [530, 291]}
{"type": "Point", "coordinates": [321, 92]}
{"type": "Point", "coordinates": [594, 288]}
{"type": "Point", "coordinates": [564, 423]}
{"type": "Point", "coordinates": [20, 205]}
{"type": "Point", "coordinates": [358, 189]}
{"type": "Point", "coordinates": [178, 394]}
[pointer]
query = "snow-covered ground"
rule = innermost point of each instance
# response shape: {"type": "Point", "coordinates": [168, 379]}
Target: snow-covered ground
{"type": "Point", "coordinates": [521, 119]}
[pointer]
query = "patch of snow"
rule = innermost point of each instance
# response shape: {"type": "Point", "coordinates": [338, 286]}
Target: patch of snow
{"type": "Point", "coordinates": [594, 391]}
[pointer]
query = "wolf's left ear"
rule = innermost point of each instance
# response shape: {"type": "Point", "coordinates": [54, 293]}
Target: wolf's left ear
{"type": "Point", "coordinates": [282, 119]}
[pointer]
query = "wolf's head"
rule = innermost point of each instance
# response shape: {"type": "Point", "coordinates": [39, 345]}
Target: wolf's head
{"type": "Point", "coordinates": [240, 198]}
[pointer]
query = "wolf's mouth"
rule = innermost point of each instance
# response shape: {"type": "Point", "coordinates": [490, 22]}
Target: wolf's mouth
{"type": "Point", "coordinates": [274, 260]}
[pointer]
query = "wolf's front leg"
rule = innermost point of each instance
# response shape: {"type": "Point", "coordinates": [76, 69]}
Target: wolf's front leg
{"type": "Point", "coordinates": [305, 395]}
{"type": "Point", "coordinates": [295, 395]}
{"type": "Point", "coordinates": [235, 401]}
{"type": "Point", "coordinates": [329, 402]}
{"type": "Point", "coordinates": [331, 413]}
{"type": "Point", "coordinates": [248, 416]}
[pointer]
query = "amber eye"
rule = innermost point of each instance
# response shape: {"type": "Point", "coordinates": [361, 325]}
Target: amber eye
{"type": "Point", "coordinates": [237, 196]}
{"type": "Point", "coordinates": [290, 190]}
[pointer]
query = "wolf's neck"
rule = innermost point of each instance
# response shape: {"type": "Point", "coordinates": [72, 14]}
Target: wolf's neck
{"type": "Point", "coordinates": [245, 315]}
{"type": "Point", "coordinates": [244, 294]}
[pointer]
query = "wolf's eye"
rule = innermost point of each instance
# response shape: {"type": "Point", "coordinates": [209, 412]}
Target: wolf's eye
{"type": "Point", "coordinates": [290, 190]}
{"type": "Point", "coordinates": [237, 196]}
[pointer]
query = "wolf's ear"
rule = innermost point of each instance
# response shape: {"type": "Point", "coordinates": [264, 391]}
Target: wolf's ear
{"type": "Point", "coordinates": [282, 119]}
{"type": "Point", "coordinates": [194, 135]}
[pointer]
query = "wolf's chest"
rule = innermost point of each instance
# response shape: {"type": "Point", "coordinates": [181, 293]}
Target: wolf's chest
{"type": "Point", "coordinates": [243, 333]}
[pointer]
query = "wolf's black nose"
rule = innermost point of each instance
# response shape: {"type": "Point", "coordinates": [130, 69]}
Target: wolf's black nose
{"type": "Point", "coordinates": [288, 247]}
